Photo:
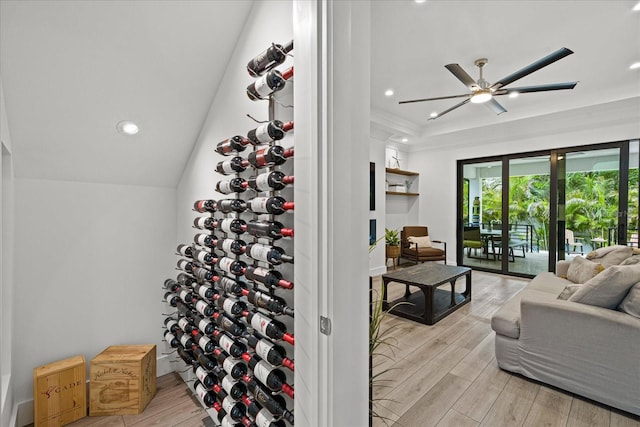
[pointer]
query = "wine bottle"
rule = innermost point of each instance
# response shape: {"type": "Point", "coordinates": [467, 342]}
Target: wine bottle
{"type": "Point", "coordinates": [273, 353]}
{"type": "Point", "coordinates": [269, 83]}
{"type": "Point", "coordinates": [184, 310]}
{"type": "Point", "coordinates": [270, 229]}
{"type": "Point", "coordinates": [206, 240]}
{"type": "Point", "coordinates": [171, 324]}
{"type": "Point", "coordinates": [185, 279]}
{"type": "Point", "coordinates": [204, 206]}
{"type": "Point", "coordinates": [171, 298]}
{"type": "Point", "coordinates": [232, 306]}
{"type": "Point", "coordinates": [231, 225]}
{"type": "Point", "coordinates": [204, 360]}
{"type": "Point", "coordinates": [233, 185]}
{"type": "Point", "coordinates": [171, 339]}
{"type": "Point", "coordinates": [185, 339]}
{"type": "Point", "coordinates": [235, 409]}
{"type": "Point", "coordinates": [231, 266]}
{"type": "Point", "coordinates": [232, 145]}
{"type": "Point", "coordinates": [205, 291]}
{"type": "Point", "coordinates": [204, 223]}
{"type": "Point", "coordinates": [231, 246]}
{"type": "Point", "coordinates": [270, 327]}
{"type": "Point", "coordinates": [230, 286]}
{"type": "Point", "coordinates": [185, 325]}
{"type": "Point", "coordinates": [271, 156]}
{"type": "Point", "coordinates": [204, 274]}
{"type": "Point", "coordinates": [234, 388]}
{"type": "Point", "coordinates": [272, 254]}
{"type": "Point", "coordinates": [274, 205]}
{"type": "Point", "coordinates": [230, 422]}
{"type": "Point", "coordinates": [185, 250]}
{"type": "Point", "coordinates": [269, 278]}
{"type": "Point", "coordinates": [233, 165]}
{"type": "Point", "coordinates": [234, 367]}
{"type": "Point", "coordinates": [171, 285]}
{"type": "Point", "coordinates": [268, 59]}
{"type": "Point", "coordinates": [231, 205]}
{"type": "Point", "coordinates": [204, 376]}
{"type": "Point", "coordinates": [273, 403]}
{"type": "Point", "coordinates": [228, 324]}
{"type": "Point", "coordinates": [205, 257]}
{"type": "Point", "coordinates": [204, 308]}
{"type": "Point", "coordinates": [203, 341]}
{"type": "Point", "coordinates": [204, 324]}
{"type": "Point", "coordinates": [185, 355]}
{"type": "Point", "coordinates": [186, 295]}
{"type": "Point", "coordinates": [270, 181]}
{"type": "Point", "coordinates": [268, 132]}
{"type": "Point", "coordinates": [273, 303]}
{"type": "Point", "coordinates": [228, 344]}
{"type": "Point", "coordinates": [273, 378]}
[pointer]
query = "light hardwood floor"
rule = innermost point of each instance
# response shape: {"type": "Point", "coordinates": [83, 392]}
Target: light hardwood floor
{"type": "Point", "coordinates": [443, 375]}
{"type": "Point", "coordinates": [446, 375]}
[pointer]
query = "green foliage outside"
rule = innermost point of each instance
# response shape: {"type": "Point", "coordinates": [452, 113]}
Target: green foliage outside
{"type": "Point", "coordinates": [591, 203]}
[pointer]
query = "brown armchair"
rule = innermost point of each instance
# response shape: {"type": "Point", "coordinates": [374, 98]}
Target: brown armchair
{"type": "Point", "coordinates": [417, 253]}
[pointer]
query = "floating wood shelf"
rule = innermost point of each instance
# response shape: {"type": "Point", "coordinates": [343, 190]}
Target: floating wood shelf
{"type": "Point", "coordinates": [401, 172]}
{"type": "Point", "coordinates": [398, 193]}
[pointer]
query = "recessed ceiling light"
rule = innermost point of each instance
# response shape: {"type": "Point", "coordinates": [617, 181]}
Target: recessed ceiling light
{"type": "Point", "coordinates": [634, 66]}
{"type": "Point", "coordinates": [514, 94]}
{"type": "Point", "coordinates": [420, 1]}
{"type": "Point", "coordinates": [434, 114]}
{"type": "Point", "coordinates": [128, 128]}
{"type": "Point", "coordinates": [388, 92]}
{"type": "Point", "coordinates": [405, 139]}
{"type": "Point", "coordinates": [636, 8]}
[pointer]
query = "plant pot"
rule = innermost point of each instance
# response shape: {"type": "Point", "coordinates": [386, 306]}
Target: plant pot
{"type": "Point", "coordinates": [392, 251]}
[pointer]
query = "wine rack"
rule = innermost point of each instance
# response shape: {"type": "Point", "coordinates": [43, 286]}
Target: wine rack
{"type": "Point", "coordinates": [232, 300]}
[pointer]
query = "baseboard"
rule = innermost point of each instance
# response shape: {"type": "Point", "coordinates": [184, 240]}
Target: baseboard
{"type": "Point", "coordinates": [377, 271]}
{"type": "Point", "coordinates": [22, 414]}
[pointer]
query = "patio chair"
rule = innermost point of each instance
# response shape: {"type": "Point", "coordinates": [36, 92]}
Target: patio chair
{"type": "Point", "coordinates": [572, 242]}
{"type": "Point", "coordinates": [472, 240]}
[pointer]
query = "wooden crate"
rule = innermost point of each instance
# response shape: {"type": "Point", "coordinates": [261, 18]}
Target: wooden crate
{"type": "Point", "coordinates": [122, 380]}
{"type": "Point", "coordinates": [60, 392]}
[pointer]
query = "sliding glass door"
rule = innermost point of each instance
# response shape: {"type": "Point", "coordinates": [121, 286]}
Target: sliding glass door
{"type": "Point", "coordinates": [519, 214]}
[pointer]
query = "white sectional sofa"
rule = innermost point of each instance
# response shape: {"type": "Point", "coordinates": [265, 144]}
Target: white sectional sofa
{"type": "Point", "coordinates": [586, 349]}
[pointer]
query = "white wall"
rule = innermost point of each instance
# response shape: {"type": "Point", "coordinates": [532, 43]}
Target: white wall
{"type": "Point", "coordinates": [598, 124]}
{"type": "Point", "coordinates": [90, 261]}
{"type": "Point", "coordinates": [6, 266]}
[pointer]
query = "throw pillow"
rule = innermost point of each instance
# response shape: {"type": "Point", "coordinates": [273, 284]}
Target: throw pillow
{"type": "Point", "coordinates": [610, 255]}
{"type": "Point", "coordinates": [608, 288]}
{"type": "Point", "coordinates": [631, 303]}
{"type": "Point", "coordinates": [634, 259]}
{"type": "Point", "coordinates": [422, 241]}
{"type": "Point", "coordinates": [568, 291]}
{"type": "Point", "coordinates": [582, 270]}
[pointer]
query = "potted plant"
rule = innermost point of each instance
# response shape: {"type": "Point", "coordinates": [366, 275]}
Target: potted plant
{"type": "Point", "coordinates": [392, 240]}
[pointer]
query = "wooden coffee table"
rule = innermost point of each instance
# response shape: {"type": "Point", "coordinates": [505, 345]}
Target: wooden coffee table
{"type": "Point", "coordinates": [432, 304]}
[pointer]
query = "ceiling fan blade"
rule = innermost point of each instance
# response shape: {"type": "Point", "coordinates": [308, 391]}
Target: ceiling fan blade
{"type": "Point", "coordinates": [433, 99]}
{"type": "Point", "coordinates": [462, 75]}
{"type": "Point", "coordinates": [543, 62]}
{"type": "Point", "coordinates": [536, 88]}
{"type": "Point", "coordinates": [495, 106]}
{"type": "Point", "coordinates": [450, 109]}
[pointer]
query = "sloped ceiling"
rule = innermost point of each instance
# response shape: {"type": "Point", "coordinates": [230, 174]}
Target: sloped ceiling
{"type": "Point", "coordinates": [73, 69]}
{"type": "Point", "coordinates": [411, 44]}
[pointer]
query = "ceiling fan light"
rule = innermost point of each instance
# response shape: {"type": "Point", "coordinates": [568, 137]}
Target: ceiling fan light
{"type": "Point", "coordinates": [514, 94]}
{"type": "Point", "coordinates": [483, 95]}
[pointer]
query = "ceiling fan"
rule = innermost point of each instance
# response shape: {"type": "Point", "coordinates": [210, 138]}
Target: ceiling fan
{"type": "Point", "coordinates": [483, 93]}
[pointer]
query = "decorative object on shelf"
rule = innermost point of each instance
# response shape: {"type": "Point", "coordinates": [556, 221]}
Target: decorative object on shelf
{"type": "Point", "coordinates": [402, 188]}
